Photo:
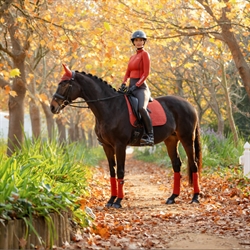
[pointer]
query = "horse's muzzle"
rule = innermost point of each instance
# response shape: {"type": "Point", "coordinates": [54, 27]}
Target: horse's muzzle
{"type": "Point", "coordinates": [55, 108]}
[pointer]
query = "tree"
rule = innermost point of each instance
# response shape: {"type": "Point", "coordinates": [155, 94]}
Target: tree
{"type": "Point", "coordinates": [16, 48]}
{"type": "Point", "coordinates": [229, 11]}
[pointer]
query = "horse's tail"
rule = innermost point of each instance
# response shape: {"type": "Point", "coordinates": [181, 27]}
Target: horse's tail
{"type": "Point", "coordinates": [198, 154]}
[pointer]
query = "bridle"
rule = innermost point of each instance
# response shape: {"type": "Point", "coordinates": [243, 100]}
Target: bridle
{"type": "Point", "coordinates": [67, 101]}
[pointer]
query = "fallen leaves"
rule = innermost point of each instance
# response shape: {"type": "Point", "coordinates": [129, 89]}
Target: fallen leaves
{"type": "Point", "coordinates": [146, 222]}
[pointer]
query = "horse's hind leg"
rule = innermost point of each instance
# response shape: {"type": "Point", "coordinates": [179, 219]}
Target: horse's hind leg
{"type": "Point", "coordinates": [172, 148]}
{"type": "Point", "coordinates": [193, 170]}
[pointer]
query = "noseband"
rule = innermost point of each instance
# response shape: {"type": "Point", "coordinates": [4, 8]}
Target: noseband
{"type": "Point", "coordinates": [66, 99]}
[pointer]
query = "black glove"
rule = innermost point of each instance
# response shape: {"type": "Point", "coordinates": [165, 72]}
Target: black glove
{"type": "Point", "coordinates": [131, 89]}
{"type": "Point", "coordinates": [123, 88]}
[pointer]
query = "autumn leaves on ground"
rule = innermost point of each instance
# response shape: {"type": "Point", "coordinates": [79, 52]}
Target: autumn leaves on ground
{"type": "Point", "coordinates": [220, 221]}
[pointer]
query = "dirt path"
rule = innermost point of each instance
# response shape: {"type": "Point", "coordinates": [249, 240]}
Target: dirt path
{"type": "Point", "coordinates": [221, 221]}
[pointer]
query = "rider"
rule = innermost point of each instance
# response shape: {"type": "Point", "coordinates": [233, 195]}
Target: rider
{"type": "Point", "coordinates": [138, 71]}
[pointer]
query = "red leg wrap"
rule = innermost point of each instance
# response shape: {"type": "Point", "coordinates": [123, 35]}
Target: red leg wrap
{"type": "Point", "coordinates": [177, 183]}
{"type": "Point", "coordinates": [120, 183]}
{"type": "Point", "coordinates": [113, 185]}
{"type": "Point", "coordinates": [196, 183]}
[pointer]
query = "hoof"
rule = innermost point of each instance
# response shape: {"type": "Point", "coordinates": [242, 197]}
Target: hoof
{"type": "Point", "coordinates": [110, 202]}
{"type": "Point", "coordinates": [108, 205]}
{"type": "Point", "coordinates": [117, 205]}
{"type": "Point", "coordinates": [194, 201]}
{"type": "Point", "coordinates": [170, 201]}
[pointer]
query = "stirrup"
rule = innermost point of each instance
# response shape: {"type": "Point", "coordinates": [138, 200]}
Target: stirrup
{"type": "Point", "coordinates": [147, 140]}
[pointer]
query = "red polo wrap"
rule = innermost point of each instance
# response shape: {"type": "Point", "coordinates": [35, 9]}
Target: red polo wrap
{"type": "Point", "coordinates": [177, 183]}
{"type": "Point", "coordinates": [113, 185]}
{"type": "Point", "coordinates": [196, 183]}
{"type": "Point", "coordinates": [120, 193]}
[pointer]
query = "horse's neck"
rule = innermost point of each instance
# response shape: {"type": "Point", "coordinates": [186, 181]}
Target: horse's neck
{"type": "Point", "coordinates": [101, 98]}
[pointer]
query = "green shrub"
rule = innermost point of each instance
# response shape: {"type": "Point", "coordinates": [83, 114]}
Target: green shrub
{"type": "Point", "coordinates": [43, 177]}
{"type": "Point", "coordinates": [220, 151]}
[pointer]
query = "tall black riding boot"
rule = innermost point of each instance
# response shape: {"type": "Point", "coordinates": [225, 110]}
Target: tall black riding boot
{"type": "Point", "coordinates": [147, 139]}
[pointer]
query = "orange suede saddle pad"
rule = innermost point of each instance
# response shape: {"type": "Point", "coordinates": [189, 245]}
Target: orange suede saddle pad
{"type": "Point", "coordinates": [156, 112]}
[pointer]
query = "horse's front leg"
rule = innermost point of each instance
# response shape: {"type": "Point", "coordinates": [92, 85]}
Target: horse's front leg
{"type": "Point", "coordinates": [116, 184]}
{"type": "Point", "coordinates": [110, 154]}
{"type": "Point", "coordinates": [120, 151]}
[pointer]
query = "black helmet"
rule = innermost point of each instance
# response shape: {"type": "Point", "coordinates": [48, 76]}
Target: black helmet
{"type": "Point", "coordinates": [138, 34]}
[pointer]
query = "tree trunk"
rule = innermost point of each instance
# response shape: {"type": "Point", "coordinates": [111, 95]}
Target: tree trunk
{"type": "Point", "coordinates": [234, 47]}
{"type": "Point", "coordinates": [90, 139]}
{"type": "Point", "coordinates": [49, 120]}
{"type": "Point", "coordinates": [229, 106]}
{"type": "Point", "coordinates": [215, 107]}
{"type": "Point", "coordinates": [16, 99]}
{"type": "Point", "coordinates": [34, 112]}
{"type": "Point", "coordinates": [16, 113]}
{"type": "Point", "coordinates": [71, 129]}
{"type": "Point", "coordinates": [179, 82]}
{"type": "Point", "coordinates": [61, 130]}
{"type": "Point", "coordinates": [35, 119]}
{"type": "Point", "coordinates": [83, 136]}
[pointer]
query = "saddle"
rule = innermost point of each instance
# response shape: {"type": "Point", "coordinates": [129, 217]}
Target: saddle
{"type": "Point", "coordinates": [156, 111]}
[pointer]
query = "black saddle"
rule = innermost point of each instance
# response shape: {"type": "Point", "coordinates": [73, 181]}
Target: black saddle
{"type": "Point", "coordinates": [134, 105]}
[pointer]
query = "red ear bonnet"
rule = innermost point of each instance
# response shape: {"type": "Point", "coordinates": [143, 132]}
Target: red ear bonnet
{"type": "Point", "coordinates": [68, 73]}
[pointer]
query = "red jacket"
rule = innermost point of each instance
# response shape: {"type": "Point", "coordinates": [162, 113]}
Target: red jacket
{"type": "Point", "coordinates": [138, 67]}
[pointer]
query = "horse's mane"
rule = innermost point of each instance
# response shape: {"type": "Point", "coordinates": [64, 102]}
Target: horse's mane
{"type": "Point", "coordinates": [97, 78]}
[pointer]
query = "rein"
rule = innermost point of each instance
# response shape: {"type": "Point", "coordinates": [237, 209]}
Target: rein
{"type": "Point", "coordinates": [91, 101]}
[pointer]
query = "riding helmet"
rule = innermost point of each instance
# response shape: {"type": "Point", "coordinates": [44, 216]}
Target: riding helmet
{"type": "Point", "coordinates": [138, 34]}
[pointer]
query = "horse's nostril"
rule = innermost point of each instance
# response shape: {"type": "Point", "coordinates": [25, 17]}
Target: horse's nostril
{"type": "Point", "coordinates": [52, 108]}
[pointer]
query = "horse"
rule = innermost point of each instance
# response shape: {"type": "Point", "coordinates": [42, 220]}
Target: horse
{"type": "Point", "coordinates": [115, 132]}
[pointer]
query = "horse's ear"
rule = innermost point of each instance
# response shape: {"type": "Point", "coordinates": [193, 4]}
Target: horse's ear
{"type": "Point", "coordinates": [68, 72]}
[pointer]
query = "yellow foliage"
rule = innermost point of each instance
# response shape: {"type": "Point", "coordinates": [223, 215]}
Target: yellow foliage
{"type": "Point", "coordinates": [14, 72]}
{"type": "Point", "coordinates": [107, 26]}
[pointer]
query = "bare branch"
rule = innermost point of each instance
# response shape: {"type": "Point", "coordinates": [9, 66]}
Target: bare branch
{"type": "Point", "coordinates": [3, 83]}
{"type": "Point", "coordinates": [4, 5]}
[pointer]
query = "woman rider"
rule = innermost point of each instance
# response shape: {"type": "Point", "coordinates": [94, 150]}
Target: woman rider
{"type": "Point", "coordinates": [138, 71]}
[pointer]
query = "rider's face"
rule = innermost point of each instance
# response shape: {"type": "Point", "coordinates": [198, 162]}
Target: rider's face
{"type": "Point", "coordinates": [139, 42]}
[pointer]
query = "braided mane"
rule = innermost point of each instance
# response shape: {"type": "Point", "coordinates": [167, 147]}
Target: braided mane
{"type": "Point", "coordinates": [97, 78]}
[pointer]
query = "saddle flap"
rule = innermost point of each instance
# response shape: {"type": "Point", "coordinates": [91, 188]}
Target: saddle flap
{"type": "Point", "coordinates": [157, 113]}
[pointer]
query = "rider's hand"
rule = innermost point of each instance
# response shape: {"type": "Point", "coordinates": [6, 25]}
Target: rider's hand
{"type": "Point", "coordinates": [123, 88]}
{"type": "Point", "coordinates": [132, 88]}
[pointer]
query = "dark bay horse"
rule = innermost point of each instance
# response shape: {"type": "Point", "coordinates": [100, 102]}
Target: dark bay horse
{"type": "Point", "coordinates": [115, 132]}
